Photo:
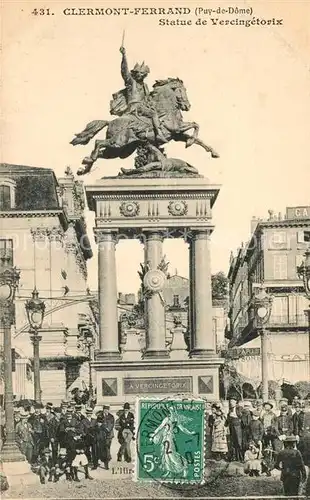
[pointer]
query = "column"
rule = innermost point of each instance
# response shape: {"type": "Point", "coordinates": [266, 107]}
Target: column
{"type": "Point", "coordinates": [107, 292]}
{"type": "Point", "coordinates": [36, 339]}
{"type": "Point", "coordinates": [20, 377]}
{"type": "Point", "coordinates": [264, 364]}
{"type": "Point", "coordinates": [155, 334]}
{"type": "Point", "coordinates": [202, 335]}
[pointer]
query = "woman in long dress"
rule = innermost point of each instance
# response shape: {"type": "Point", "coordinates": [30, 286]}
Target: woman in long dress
{"type": "Point", "coordinates": [219, 435]}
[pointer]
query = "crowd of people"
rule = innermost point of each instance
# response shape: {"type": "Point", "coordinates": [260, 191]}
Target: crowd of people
{"type": "Point", "coordinates": [76, 437]}
{"type": "Point", "coordinates": [72, 438]}
{"type": "Point", "coordinates": [263, 438]}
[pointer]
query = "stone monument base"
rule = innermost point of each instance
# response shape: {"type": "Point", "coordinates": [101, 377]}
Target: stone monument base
{"type": "Point", "coordinates": [19, 474]}
{"type": "Point", "coordinates": [122, 381]}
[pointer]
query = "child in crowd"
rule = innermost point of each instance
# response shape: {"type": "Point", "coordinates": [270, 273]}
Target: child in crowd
{"type": "Point", "coordinates": [62, 466]}
{"type": "Point", "coordinates": [46, 466]}
{"type": "Point", "coordinates": [252, 461]}
{"type": "Point", "coordinates": [80, 460]}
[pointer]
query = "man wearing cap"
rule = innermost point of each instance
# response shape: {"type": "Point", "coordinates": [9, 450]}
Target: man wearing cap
{"type": "Point", "coordinates": [69, 429]}
{"type": "Point", "coordinates": [24, 436]}
{"type": "Point", "coordinates": [292, 467]}
{"type": "Point", "coordinates": [284, 422]}
{"type": "Point", "coordinates": [106, 433]}
{"type": "Point", "coordinates": [125, 425]}
{"type": "Point", "coordinates": [61, 436]}
{"type": "Point", "coordinates": [89, 433]}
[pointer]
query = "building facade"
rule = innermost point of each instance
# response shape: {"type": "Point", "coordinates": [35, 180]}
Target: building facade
{"type": "Point", "coordinates": [43, 234]}
{"type": "Point", "coordinates": [271, 256]}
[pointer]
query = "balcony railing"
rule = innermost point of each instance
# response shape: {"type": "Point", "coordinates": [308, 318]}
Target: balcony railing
{"type": "Point", "coordinates": [294, 320]}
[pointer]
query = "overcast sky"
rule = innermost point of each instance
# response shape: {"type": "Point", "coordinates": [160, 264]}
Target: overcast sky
{"type": "Point", "coordinates": [249, 89]}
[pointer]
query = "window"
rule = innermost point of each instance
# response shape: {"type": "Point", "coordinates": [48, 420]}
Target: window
{"type": "Point", "coordinates": [6, 253]}
{"type": "Point", "coordinates": [279, 311]}
{"type": "Point", "coordinates": [299, 260]}
{"type": "Point", "coordinates": [5, 197]}
{"type": "Point", "coordinates": [280, 267]}
{"type": "Point", "coordinates": [7, 194]}
{"type": "Point", "coordinates": [176, 301]}
{"type": "Point", "coordinates": [278, 239]}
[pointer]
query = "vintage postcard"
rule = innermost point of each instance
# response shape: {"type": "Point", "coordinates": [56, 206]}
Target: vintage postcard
{"type": "Point", "coordinates": [155, 249]}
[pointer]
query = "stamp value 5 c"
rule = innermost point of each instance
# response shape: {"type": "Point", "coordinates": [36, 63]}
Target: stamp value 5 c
{"type": "Point", "coordinates": [170, 440]}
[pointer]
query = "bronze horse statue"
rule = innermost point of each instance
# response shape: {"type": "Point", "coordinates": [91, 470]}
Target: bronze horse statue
{"type": "Point", "coordinates": [125, 133]}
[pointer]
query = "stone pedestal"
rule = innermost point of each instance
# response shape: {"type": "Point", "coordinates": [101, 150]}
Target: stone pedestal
{"type": "Point", "coordinates": [118, 382]}
{"type": "Point", "coordinates": [153, 209]}
{"type": "Point", "coordinates": [20, 474]}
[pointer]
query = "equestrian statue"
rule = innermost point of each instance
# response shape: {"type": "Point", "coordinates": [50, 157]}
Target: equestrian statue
{"type": "Point", "coordinates": [145, 122]}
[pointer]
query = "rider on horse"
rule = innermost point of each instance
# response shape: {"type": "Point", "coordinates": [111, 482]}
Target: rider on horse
{"type": "Point", "coordinates": [138, 95]}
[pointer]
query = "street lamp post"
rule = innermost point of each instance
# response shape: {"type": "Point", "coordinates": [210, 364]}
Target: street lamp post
{"type": "Point", "coordinates": [303, 272]}
{"type": "Point", "coordinates": [87, 340]}
{"type": "Point", "coordinates": [35, 309]}
{"type": "Point", "coordinates": [262, 307]}
{"type": "Point", "coordinates": [9, 279]}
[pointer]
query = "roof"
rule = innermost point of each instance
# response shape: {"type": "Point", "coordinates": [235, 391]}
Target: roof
{"type": "Point", "coordinates": [35, 187]}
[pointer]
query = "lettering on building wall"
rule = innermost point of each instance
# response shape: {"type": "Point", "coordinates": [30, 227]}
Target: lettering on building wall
{"type": "Point", "coordinates": [298, 212]}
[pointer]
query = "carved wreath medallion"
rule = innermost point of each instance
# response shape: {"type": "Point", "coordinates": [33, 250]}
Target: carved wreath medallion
{"type": "Point", "coordinates": [154, 281]}
{"type": "Point", "coordinates": [177, 207]}
{"type": "Point", "coordinates": [129, 208]}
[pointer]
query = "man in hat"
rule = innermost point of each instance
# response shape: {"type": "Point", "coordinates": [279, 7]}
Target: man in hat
{"type": "Point", "coordinates": [52, 428]}
{"type": "Point", "coordinates": [89, 433]}
{"type": "Point", "coordinates": [284, 422]}
{"type": "Point", "coordinates": [298, 419]}
{"type": "Point", "coordinates": [125, 426]}
{"type": "Point", "coordinates": [24, 436]}
{"type": "Point", "coordinates": [69, 429]}
{"type": "Point", "coordinates": [246, 419]}
{"type": "Point", "coordinates": [137, 91]}
{"type": "Point", "coordinates": [78, 412]}
{"type": "Point", "coordinates": [269, 421]}
{"type": "Point", "coordinates": [256, 430]}
{"type": "Point", "coordinates": [40, 434]}
{"type": "Point", "coordinates": [61, 437]}
{"type": "Point", "coordinates": [106, 433]}
{"type": "Point", "coordinates": [284, 402]}
{"type": "Point", "coordinates": [292, 467]}
{"type": "Point", "coordinates": [16, 416]}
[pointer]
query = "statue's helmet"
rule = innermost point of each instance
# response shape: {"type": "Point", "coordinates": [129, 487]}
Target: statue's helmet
{"type": "Point", "coordinates": [141, 68]}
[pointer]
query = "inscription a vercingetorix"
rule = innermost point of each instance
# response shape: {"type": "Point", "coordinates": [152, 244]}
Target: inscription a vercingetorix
{"type": "Point", "coordinates": [159, 385]}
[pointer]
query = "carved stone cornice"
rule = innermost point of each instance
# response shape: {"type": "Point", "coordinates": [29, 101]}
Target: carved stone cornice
{"type": "Point", "coordinates": [56, 234]}
{"type": "Point", "coordinates": [72, 247]}
{"type": "Point", "coordinates": [39, 233]}
{"type": "Point", "coordinates": [158, 196]}
{"type": "Point", "coordinates": [105, 235]}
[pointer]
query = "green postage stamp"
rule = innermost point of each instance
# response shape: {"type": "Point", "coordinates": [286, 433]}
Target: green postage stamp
{"type": "Point", "coordinates": [170, 440]}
